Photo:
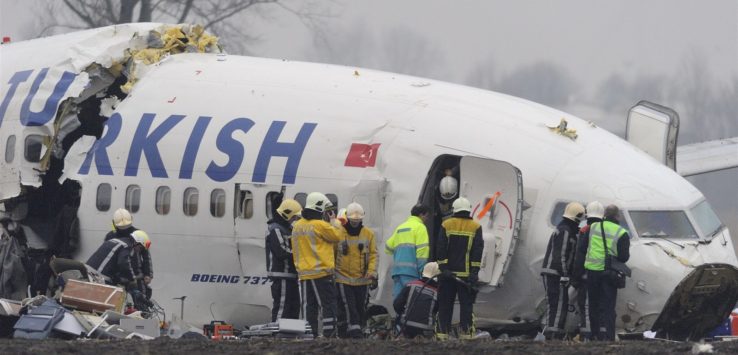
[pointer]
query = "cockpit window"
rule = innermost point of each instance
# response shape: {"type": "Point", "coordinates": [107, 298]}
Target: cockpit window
{"type": "Point", "coordinates": [662, 224]}
{"type": "Point", "coordinates": [706, 219]}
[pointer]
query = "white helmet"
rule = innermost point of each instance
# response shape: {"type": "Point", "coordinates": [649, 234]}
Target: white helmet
{"type": "Point", "coordinates": [316, 201]}
{"type": "Point", "coordinates": [142, 238]}
{"type": "Point", "coordinates": [448, 187]}
{"type": "Point", "coordinates": [354, 211]}
{"type": "Point", "coordinates": [461, 204]}
{"type": "Point", "coordinates": [595, 210]}
{"type": "Point", "coordinates": [431, 269]}
{"type": "Point", "coordinates": [122, 218]}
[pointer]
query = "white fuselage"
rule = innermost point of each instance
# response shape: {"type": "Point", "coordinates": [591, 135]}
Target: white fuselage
{"type": "Point", "coordinates": [251, 111]}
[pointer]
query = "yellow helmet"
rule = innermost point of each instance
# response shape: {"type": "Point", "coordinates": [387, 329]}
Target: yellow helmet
{"type": "Point", "coordinates": [289, 208]}
{"type": "Point", "coordinates": [574, 211]}
{"type": "Point", "coordinates": [142, 238]}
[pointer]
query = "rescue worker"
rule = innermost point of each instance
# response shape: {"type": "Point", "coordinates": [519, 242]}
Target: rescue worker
{"type": "Point", "coordinates": [601, 289]}
{"type": "Point", "coordinates": [459, 252]}
{"type": "Point", "coordinates": [280, 265]}
{"type": "Point", "coordinates": [557, 270]}
{"type": "Point", "coordinates": [143, 269]}
{"type": "Point", "coordinates": [14, 273]}
{"type": "Point", "coordinates": [594, 212]}
{"type": "Point", "coordinates": [312, 251]}
{"type": "Point", "coordinates": [417, 304]}
{"type": "Point", "coordinates": [113, 258]}
{"type": "Point", "coordinates": [448, 187]}
{"type": "Point", "coordinates": [356, 269]}
{"type": "Point", "coordinates": [408, 247]}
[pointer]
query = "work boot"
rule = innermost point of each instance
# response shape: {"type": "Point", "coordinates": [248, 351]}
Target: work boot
{"type": "Point", "coordinates": [441, 336]}
{"type": "Point", "coordinates": [465, 335]}
{"type": "Point", "coordinates": [355, 334]}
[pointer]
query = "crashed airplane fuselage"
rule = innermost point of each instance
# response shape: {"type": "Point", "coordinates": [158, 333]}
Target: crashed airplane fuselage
{"type": "Point", "coordinates": [197, 144]}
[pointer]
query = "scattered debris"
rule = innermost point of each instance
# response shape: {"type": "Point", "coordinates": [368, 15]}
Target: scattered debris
{"type": "Point", "coordinates": [282, 328]}
{"type": "Point", "coordinates": [562, 129]}
{"type": "Point", "coordinates": [701, 348]}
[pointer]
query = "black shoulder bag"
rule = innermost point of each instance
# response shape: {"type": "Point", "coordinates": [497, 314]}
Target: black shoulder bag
{"type": "Point", "coordinates": [615, 269]}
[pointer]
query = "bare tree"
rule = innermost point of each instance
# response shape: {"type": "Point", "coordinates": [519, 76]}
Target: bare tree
{"type": "Point", "coordinates": [222, 17]}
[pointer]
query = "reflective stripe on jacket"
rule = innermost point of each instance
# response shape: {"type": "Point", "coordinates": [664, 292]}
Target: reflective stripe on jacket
{"type": "Point", "coordinates": [417, 304]}
{"type": "Point", "coordinates": [595, 259]}
{"type": "Point", "coordinates": [279, 261]}
{"type": "Point", "coordinates": [312, 248]}
{"type": "Point", "coordinates": [360, 259]}
{"type": "Point", "coordinates": [460, 246]}
{"type": "Point", "coordinates": [408, 247]}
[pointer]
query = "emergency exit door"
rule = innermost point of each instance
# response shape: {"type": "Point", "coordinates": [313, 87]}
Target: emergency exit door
{"type": "Point", "coordinates": [495, 190]}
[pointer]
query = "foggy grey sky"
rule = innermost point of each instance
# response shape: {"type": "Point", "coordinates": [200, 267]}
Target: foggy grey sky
{"type": "Point", "coordinates": [594, 59]}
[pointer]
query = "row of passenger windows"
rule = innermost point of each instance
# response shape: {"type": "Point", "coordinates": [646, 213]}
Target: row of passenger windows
{"type": "Point", "coordinates": [31, 149]}
{"type": "Point", "coordinates": [243, 203]}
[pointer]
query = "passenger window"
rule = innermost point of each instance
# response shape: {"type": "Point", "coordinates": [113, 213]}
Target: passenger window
{"type": "Point", "coordinates": [334, 199]}
{"type": "Point", "coordinates": [10, 149]}
{"type": "Point", "coordinates": [217, 203]}
{"type": "Point", "coordinates": [273, 199]}
{"type": "Point", "coordinates": [558, 213]}
{"type": "Point", "coordinates": [133, 198]}
{"type": "Point", "coordinates": [104, 191]}
{"type": "Point", "coordinates": [245, 204]}
{"type": "Point", "coordinates": [189, 201]}
{"type": "Point", "coordinates": [163, 200]}
{"type": "Point", "coordinates": [33, 146]}
{"type": "Point", "coordinates": [301, 197]}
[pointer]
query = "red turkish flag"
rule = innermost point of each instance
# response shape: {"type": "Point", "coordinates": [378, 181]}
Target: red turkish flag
{"type": "Point", "coordinates": [362, 155]}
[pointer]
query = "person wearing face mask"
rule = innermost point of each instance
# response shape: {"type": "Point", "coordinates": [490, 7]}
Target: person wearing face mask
{"type": "Point", "coordinates": [280, 266]}
{"type": "Point", "coordinates": [356, 269]}
{"type": "Point", "coordinates": [557, 268]}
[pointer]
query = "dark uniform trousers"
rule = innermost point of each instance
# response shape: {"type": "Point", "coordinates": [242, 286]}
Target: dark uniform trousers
{"type": "Point", "coordinates": [583, 307]}
{"type": "Point", "coordinates": [602, 294]}
{"type": "Point", "coordinates": [447, 291]}
{"type": "Point", "coordinates": [351, 311]}
{"type": "Point", "coordinates": [557, 296]}
{"type": "Point", "coordinates": [320, 294]}
{"type": "Point", "coordinates": [285, 298]}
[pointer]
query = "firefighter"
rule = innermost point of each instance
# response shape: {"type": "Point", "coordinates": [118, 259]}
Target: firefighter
{"type": "Point", "coordinates": [279, 262]}
{"type": "Point", "coordinates": [312, 251]}
{"type": "Point", "coordinates": [448, 187]}
{"type": "Point", "coordinates": [417, 304]}
{"type": "Point", "coordinates": [459, 253]}
{"type": "Point", "coordinates": [143, 268]}
{"type": "Point", "coordinates": [594, 212]}
{"type": "Point", "coordinates": [408, 247]}
{"type": "Point", "coordinates": [113, 258]}
{"type": "Point", "coordinates": [602, 290]}
{"type": "Point", "coordinates": [557, 267]}
{"type": "Point", "coordinates": [356, 269]}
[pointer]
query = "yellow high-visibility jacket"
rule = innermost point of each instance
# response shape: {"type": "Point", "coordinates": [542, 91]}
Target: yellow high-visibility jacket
{"type": "Point", "coordinates": [360, 258]}
{"type": "Point", "coordinates": [312, 248]}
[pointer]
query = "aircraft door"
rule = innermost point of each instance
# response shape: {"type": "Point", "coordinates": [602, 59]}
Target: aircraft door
{"type": "Point", "coordinates": [495, 190]}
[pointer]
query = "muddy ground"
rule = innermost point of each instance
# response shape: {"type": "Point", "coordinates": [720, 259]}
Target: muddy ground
{"type": "Point", "coordinates": [373, 347]}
